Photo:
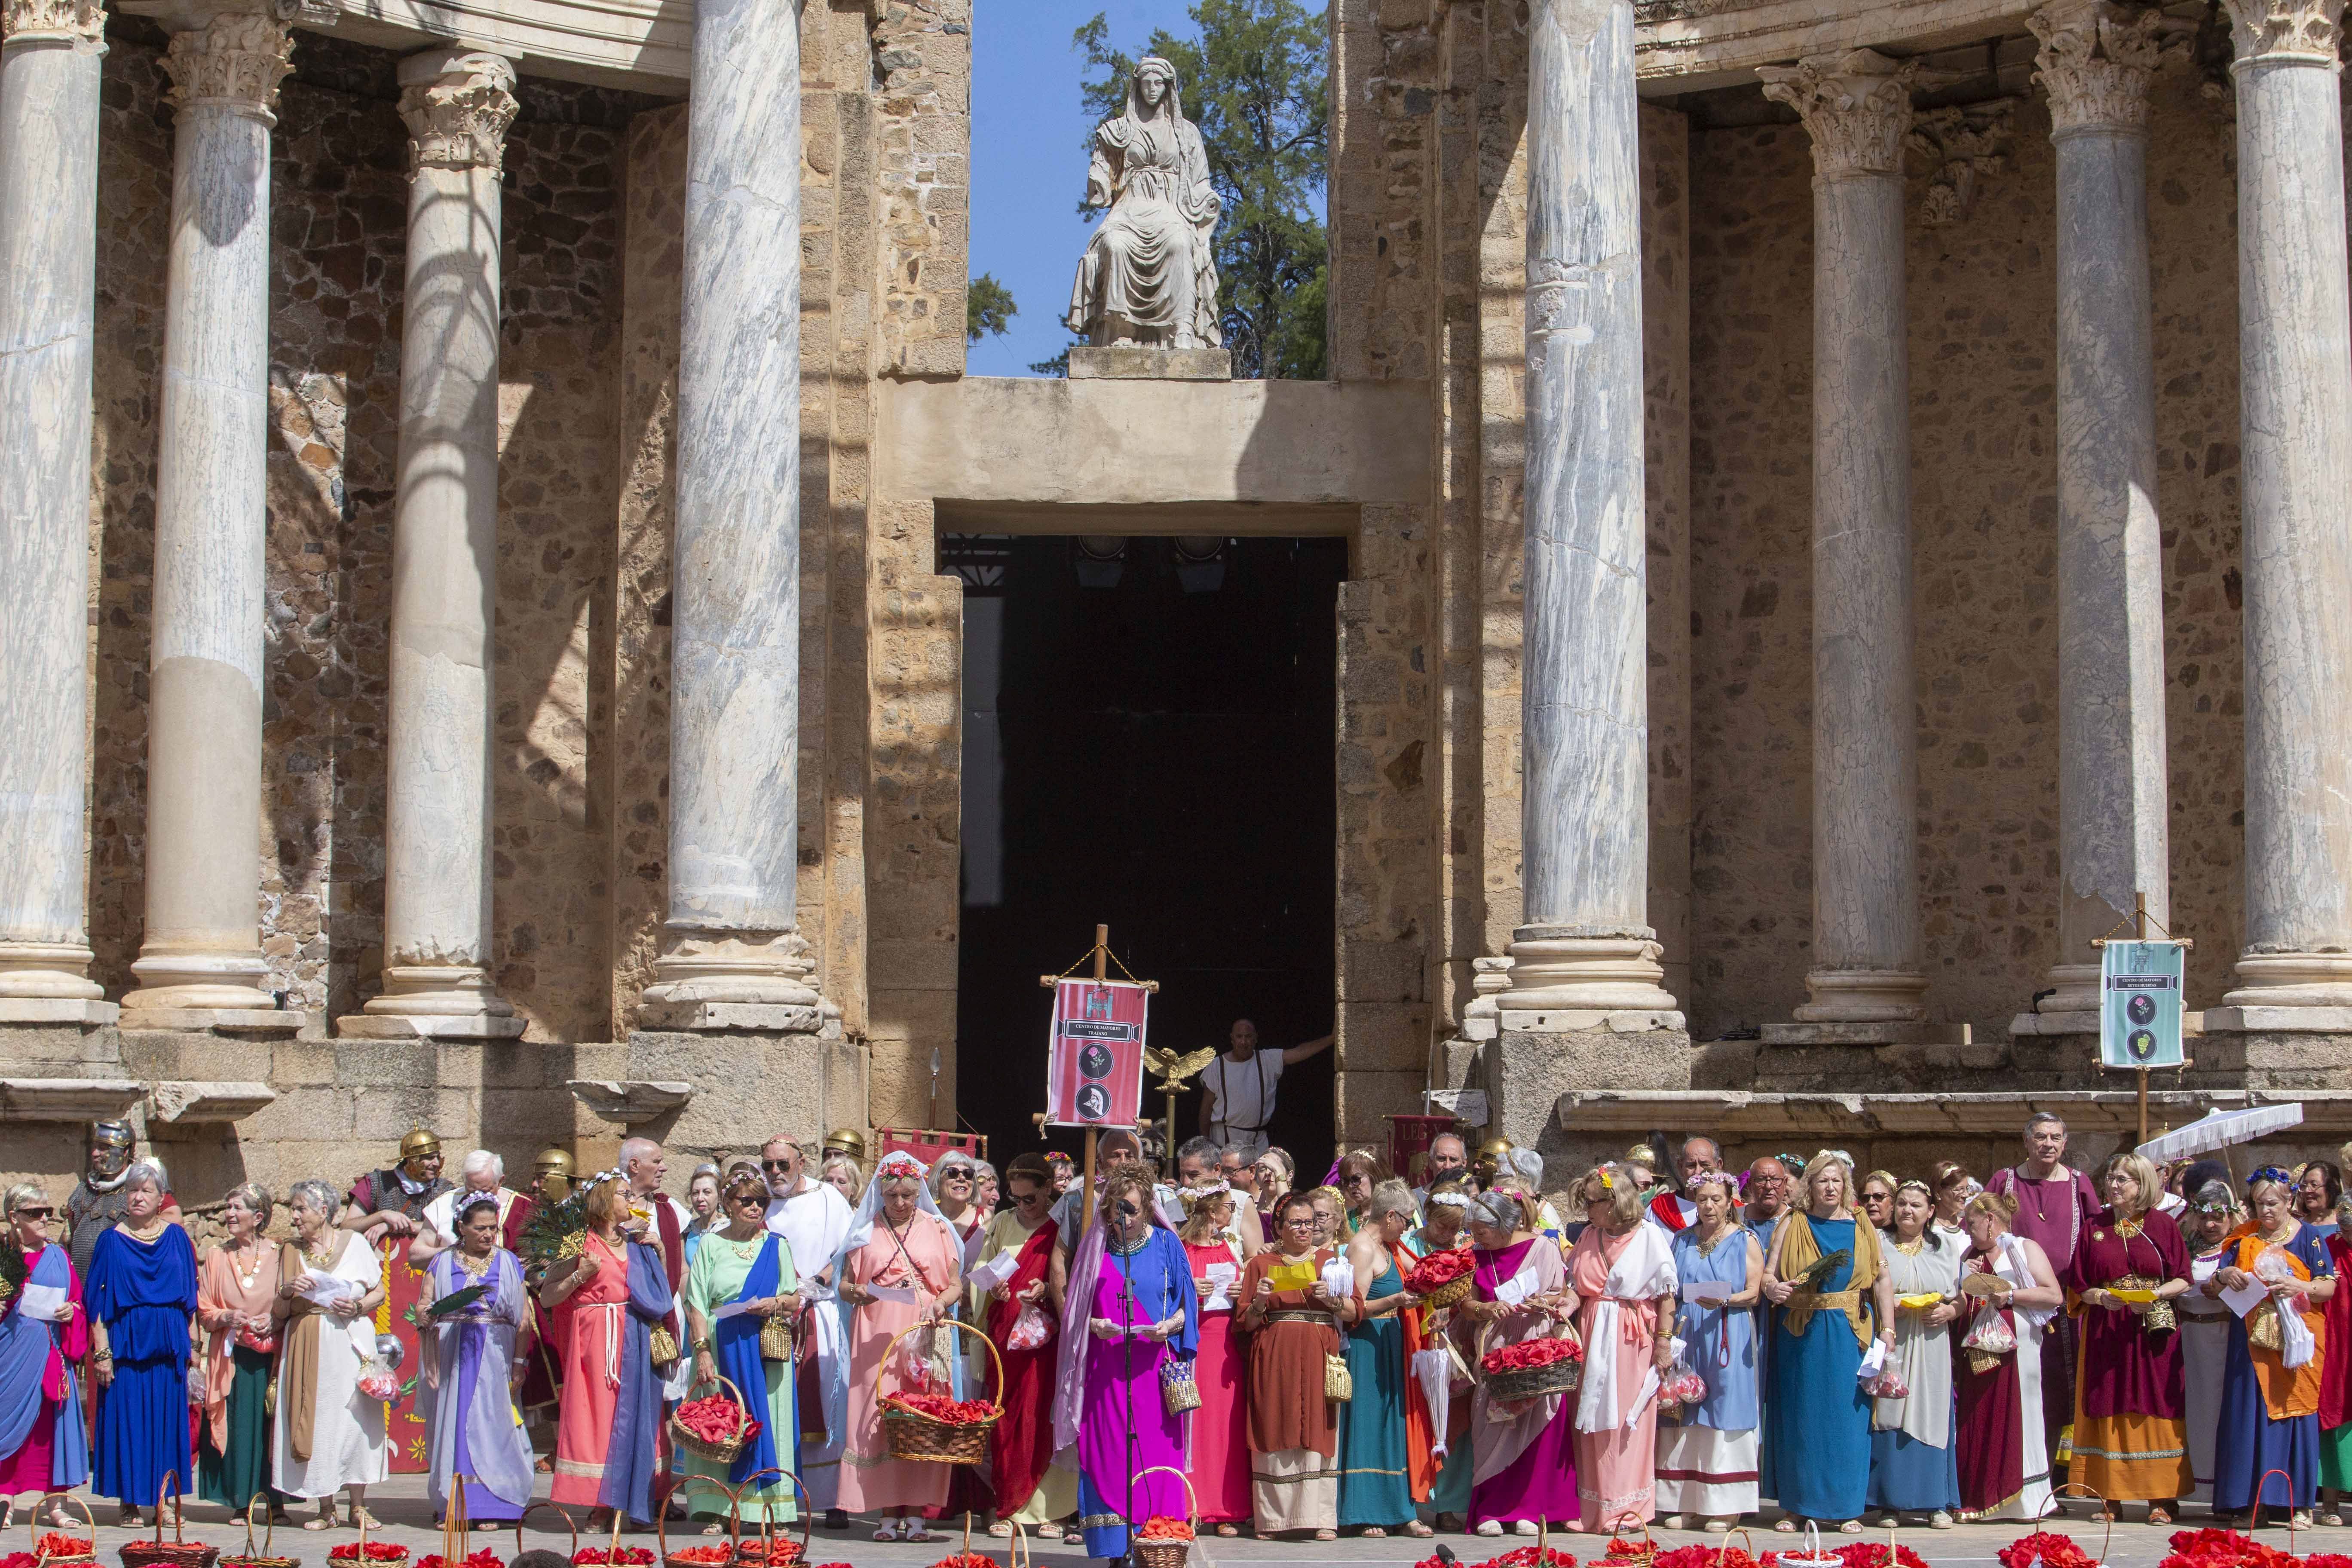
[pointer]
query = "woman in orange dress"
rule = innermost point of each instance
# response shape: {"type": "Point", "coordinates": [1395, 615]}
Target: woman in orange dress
{"type": "Point", "coordinates": [604, 1306]}
{"type": "Point", "coordinates": [901, 1266]}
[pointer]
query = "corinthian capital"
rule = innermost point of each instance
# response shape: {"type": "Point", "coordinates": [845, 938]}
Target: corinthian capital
{"type": "Point", "coordinates": [1856, 105]}
{"type": "Point", "coordinates": [2303, 31]}
{"type": "Point", "coordinates": [2094, 61]}
{"type": "Point", "coordinates": [233, 61]}
{"type": "Point", "coordinates": [458, 104]}
{"type": "Point", "coordinates": [76, 21]}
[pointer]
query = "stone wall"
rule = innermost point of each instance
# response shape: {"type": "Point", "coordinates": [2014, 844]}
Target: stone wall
{"type": "Point", "coordinates": [1981, 296]}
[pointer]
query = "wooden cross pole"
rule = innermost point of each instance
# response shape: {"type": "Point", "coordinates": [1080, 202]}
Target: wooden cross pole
{"type": "Point", "coordinates": [2139, 934]}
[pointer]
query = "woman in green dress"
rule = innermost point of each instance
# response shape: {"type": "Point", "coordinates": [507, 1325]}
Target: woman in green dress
{"type": "Point", "coordinates": [239, 1318]}
{"type": "Point", "coordinates": [747, 1266]}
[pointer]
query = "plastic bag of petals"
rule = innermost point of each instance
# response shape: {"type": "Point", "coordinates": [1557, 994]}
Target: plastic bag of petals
{"type": "Point", "coordinates": [616, 1557]}
{"type": "Point", "coordinates": [1889, 1385]}
{"type": "Point", "coordinates": [485, 1558]}
{"type": "Point", "coordinates": [1529, 1354]}
{"type": "Point", "coordinates": [372, 1552]}
{"type": "Point", "coordinates": [775, 1554]}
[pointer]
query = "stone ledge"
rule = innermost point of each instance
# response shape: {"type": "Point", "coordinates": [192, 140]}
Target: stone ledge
{"type": "Point", "coordinates": [1577, 1021]}
{"type": "Point", "coordinates": [2278, 1020]}
{"type": "Point", "coordinates": [1755, 1115]}
{"type": "Point", "coordinates": [430, 1027]}
{"type": "Point", "coordinates": [630, 1100]}
{"type": "Point", "coordinates": [182, 1102]}
{"type": "Point", "coordinates": [68, 1099]}
{"type": "Point", "coordinates": [1868, 1034]}
{"type": "Point", "coordinates": [1135, 361]}
{"type": "Point", "coordinates": [54, 1010]}
{"type": "Point", "coordinates": [2052, 1026]}
{"type": "Point", "coordinates": [217, 1020]}
{"type": "Point", "coordinates": [737, 1017]}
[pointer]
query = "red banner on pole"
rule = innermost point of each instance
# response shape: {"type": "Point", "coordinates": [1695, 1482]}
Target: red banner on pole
{"type": "Point", "coordinates": [1095, 1072]}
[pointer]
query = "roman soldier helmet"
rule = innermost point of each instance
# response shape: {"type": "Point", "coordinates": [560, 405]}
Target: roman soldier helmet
{"type": "Point", "coordinates": [418, 1145]}
{"type": "Point", "coordinates": [111, 1145]}
{"type": "Point", "coordinates": [1492, 1155]}
{"type": "Point", "coordinates": [846, 1140]}
{"type": "Point", "coordinates": [553, 1169]}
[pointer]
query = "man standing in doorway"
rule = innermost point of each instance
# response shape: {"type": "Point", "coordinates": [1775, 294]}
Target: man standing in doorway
{"type": "Point", "coordinates": [1239, 1105]}
{"type": "Point", "coordinates": [2054, 1206]}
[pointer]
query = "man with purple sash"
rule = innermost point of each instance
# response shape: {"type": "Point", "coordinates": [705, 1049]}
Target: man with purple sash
{"type": "Point", "coordinates": [43, 1445]}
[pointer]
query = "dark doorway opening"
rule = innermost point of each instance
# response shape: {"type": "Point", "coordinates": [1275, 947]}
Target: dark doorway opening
{"type": "Point", "coordinates": [1148, 744]}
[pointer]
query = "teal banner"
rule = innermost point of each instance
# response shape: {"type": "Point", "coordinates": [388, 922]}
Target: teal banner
{"type": "Point", "coordinates": [2139, 1003]}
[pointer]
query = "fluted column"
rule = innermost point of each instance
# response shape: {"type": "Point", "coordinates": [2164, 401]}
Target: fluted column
{"type": "Point", "coordinates": [2294, 353]}
{"type": "Point", "coordinates": [734, 824]}
{"type": "Point", "coordinates": [2096, 60]}
{"type": "Point", "coordinates": [203, 946]}
{"type": "Point", "coordinates": [1867, 950]}
{"type": "Point", "coordinates": [49, 256]}
{"type": "Point", "coordinates": [1585, 952]}
{"type": "Point", "coordinates": [437, 900]}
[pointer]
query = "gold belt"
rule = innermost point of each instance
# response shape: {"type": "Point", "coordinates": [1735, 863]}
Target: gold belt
{"type": "Point", "coordinates": [1295, 1315]}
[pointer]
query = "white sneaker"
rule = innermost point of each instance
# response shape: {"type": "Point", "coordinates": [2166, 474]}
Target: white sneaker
{"type": "Point", "coordinates": [1490, 1527]}
{"type": "Point", "coordinates": [1672, 1521]}
{"type": "Point", "coordinates": [1527, 1527]}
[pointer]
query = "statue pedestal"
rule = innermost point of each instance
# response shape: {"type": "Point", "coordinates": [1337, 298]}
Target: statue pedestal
{"type": "Point", "coordinates": [1136, 361]}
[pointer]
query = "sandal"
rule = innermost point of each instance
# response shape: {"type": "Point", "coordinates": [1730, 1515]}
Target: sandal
{"type": "Point", "coordinates": [1850, 1527]}
{"type": "Point", "coordinates": [1326, 1535]}
{"type": "Point", "coordinates": [1372, 1532]}
{"type": "Point", "coordinates": [1229, 1532]}
{"type": "Point", "coordinates": [1786, 1525]}
{"type": "Point", "coordinates": [917, 1532]}
{"type": "Point", "coordinates": [1718, 1526]}
{"type": "Point", "coordinates": [326, 1517]}
{"type": "Point", "coordinates": [2159, 1514]}
{"type": "Point", "coordinates": [1489, 1527]}
{"type": "Point", "coordinates": [1418, 1530]}
{"type": "Point", "coordinates": [360, 1514]}
{"type": "Point", "coordinates": [886, 1530]}
{"type": "Point", "coordinates": [1001, 1529]}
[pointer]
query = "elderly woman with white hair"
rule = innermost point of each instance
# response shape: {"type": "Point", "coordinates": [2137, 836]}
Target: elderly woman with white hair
{"type": "Point", "coordinates": [330, 1437]}
{"type": "Point", "coordinates": [900, 1267]}
{"type": "Point", "coordinates": [142, 1304]}
{"type": "Point", "coordinates": [42, 1341]}
{"type": "Point", "coordinates": [1523, 1456]}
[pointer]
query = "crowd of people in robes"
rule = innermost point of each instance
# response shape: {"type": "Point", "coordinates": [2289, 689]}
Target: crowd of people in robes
{"type": "Point", "coordinates": [1797, 1341]}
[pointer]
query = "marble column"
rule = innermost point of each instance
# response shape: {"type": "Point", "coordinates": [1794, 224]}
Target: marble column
{"type": "Point", "coordinates": [732, 956]}
{"type": "Point", "coordinates": [48, 254]}
{"type": "Point", "coordinates": [2294, 353]}
{"type": "Point", "coordinates": [437, 900]}
{"type": "Point", "coordinates": [1866, 971]}
{"type": "Point", "coordinates": [2094, 61]}
{"type": "Point", "coordinates": [202, 954]}
{"type": "Point", "coordinates": [1585, 953]}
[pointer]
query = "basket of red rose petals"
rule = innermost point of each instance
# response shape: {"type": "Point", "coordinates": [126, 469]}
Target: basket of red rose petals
{"type": "Point", "coordinates": [569, 1524]}
{"type": "Point", "coordinates": [371, 1553]}
{"type": "Point", "coordinates": [931, 1427]}
{"type": "Point", "coordinates": [177, 1552]}
{"type": "Point", "coordinates": [612, 1557]}
{"type": "Point", "coordinates": [1442, 1278]}
{"type": "Point", "coordinates": [715, 1428]}
{"type": "Point", "coordinates": [766, 1548]}
{"type": "Point", "coordinates": [1164, 1541]}
{"type": "Point", "coordinates": [1532, 1369]}
{"type": "Point", "coordinates": [56, 1549]}
{"type": "Point", "coordinates": [250, 1558]}
{"type": "Point", "coordinates": [712, 1557]}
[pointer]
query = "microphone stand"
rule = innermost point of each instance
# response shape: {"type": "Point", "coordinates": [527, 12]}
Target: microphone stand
{"type": "Point", "coordinates": [1127, 1311]}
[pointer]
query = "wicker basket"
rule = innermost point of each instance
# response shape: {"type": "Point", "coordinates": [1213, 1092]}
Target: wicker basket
{"type": "Point", "coordinates": [261, 1558]}
{"type": "Point", "coordinates": [361, 1559]}
{"type": "Point", "coordinates": [562, 1513]}
{"type": "Point", "coordinates": [765, 1533]}
{"type": "Point", "coordinates": [1624, 1552]}
{"type": "Point", "coordinates": [84, 1560]}
{"type": "Point", "coordinates": [1453, 1293]}
{"type": "Point", "coordinates": [1169, 1554]}
{"type": "Point", "coordinates": [177, 1552]}
{"type": "Point", "coordinates": [727, 1451]}
{"type": "Point", "coordinates": [915, 1436]}
{"type": "Point", "coordinates": [1563, 1377]}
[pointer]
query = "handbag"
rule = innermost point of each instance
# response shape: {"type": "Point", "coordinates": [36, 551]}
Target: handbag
{"type": "Point", "coordinates": [776, 1337]}
{"type": "Point", "coordinates": [1338, 1385]}
{"type": "Point", "coordinates": [663, 1345]}
{"type": "Point", "coordinates": [1178, 1391]}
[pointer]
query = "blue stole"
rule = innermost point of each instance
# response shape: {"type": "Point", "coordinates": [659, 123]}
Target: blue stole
{"type": "Point", "coordinates": [25, 1346]}
{"type": "Point", "coordinates": [735, 1340]}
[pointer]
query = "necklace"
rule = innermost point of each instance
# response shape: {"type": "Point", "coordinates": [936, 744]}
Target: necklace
{"type": "Point", "coordinates": [1913, 1247]}
{"type": "Point", "coordinates": [1706, 1244]}
{"type": "Point", "coordinates": [146, 1233]}
{"type": "Point", "coordinates": [315, 1254]}
{"type": "Point", "coordinates": [472, 1267]}
{"type": "Point", "coordinates": [1127, 1248]}
{"type": "Point", "coordinates": [244, 1277]}
{"type": "Point", "coordinates": [748, 1248]}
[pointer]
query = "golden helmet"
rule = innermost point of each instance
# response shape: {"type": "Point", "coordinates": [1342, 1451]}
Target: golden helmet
{"type": "Point", "coordinates": [1642, 1154]}
{"type": "Point", "coordinates": [846, 1140]}
{"type": "Point", "coordinates": [419, 1144]}
{"type": "Point", "coordinates": [552, 1162]}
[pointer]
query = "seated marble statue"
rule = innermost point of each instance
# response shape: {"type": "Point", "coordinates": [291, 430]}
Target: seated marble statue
{"type": "Point", "coordinates": [1149, 275]}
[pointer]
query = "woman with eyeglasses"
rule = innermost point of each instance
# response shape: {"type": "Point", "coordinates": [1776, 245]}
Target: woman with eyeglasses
{"type": "Point", "coordinates": [1031, 1490]}
{"type": "Point", "coordinates": [236, 1306]}
{"type": "Point", "coordinates": [1523, 1458]}
{"type": "Point", "coordinates": [2204, 1322]}
{"type": "Point", "coordinates": [42, 1445]}
{"type": "Point", "coordinates": [1220, 1460]}
{"type": "Point", "coordinates": [1275, 1170]}
{"type": "Point", "coordinates": [749, 1268]}
{"type": "Point", "coordinates": [2269, 1389]}
{"type": "Point", "coordinates": [1291, 1320]}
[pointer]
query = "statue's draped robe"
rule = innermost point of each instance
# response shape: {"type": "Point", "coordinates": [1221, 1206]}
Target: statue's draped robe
{"type": "Point", "coordinates": [1150, 264]}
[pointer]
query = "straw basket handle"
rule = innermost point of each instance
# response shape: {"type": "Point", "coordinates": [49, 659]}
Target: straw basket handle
{"type": "Point", "coordinates": [179, 1497]}
{"type": "Point", "coordinates": [2107, 1512]}
{"type": "Point", "coordinates": [564, 1514]}
{"type": "Point", "coordinates": [807, 1510]}
{"type": "Point", "coordinates": [456, 1530]}
{"type": "Point", "coordinates": [661, 1515]}
{"type": "Point", "coordinates": [2255, 1517]}
{"type": "Point", "coordinates": [268, 1525]}
{"type": "Point", "coordinates": [1723, 1551]}
{"type": "Point", "coordinates": [883, 1366]}
{"type": "Point", "coordinates": [33, 1524]}
{"type": "Point", "coordinates": [1023, 1557]}
{"type": "Point", "coordinates": [1191, 1498]}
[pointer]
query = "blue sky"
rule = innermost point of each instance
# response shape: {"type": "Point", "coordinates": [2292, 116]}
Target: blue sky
{"type": "Point", "coordinates": [1028, 165]}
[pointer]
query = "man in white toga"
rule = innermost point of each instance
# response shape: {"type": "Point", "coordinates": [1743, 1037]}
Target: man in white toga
{"type": "Point", "coordinates": [1239, 1105]}
{"type": "Point", "coordinates": [814, 1218]}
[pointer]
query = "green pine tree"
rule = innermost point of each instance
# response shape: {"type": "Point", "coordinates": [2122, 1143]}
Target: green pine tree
{"type": "Point", "coordinates": [1257, 84]}
{"type": "Point", "coordinates": [988, 309]}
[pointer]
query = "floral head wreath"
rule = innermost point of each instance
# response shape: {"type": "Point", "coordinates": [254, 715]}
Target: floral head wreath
{"type": "Point", "coordinates": [1450, 1201]}
{"type": "Point", "coordinates": [898, 1163]}
{"type": "Point", "coordinates": [2271, 1173]}
{"type": "Point", "coordinates": [470, 1202]}
{"type": "Point", "coordinates": [1730, 1184]}
{"type": "Point", "coordinates": [1193, 1197]}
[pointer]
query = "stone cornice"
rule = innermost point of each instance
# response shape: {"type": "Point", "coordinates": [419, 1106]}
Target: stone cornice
{"type": "Point", "coordinates": [2306, 32]}
{"type": "Point", "coordinates": [233, 61]}
{"type": "Point", "coordinates": [2095, 62]}
{"type": "Point", "coordinates": [74, 21]}
{"type": "Point", "coordinates": [457, 119]}
{"type": "Point", "coordinates": [1856, 105]}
